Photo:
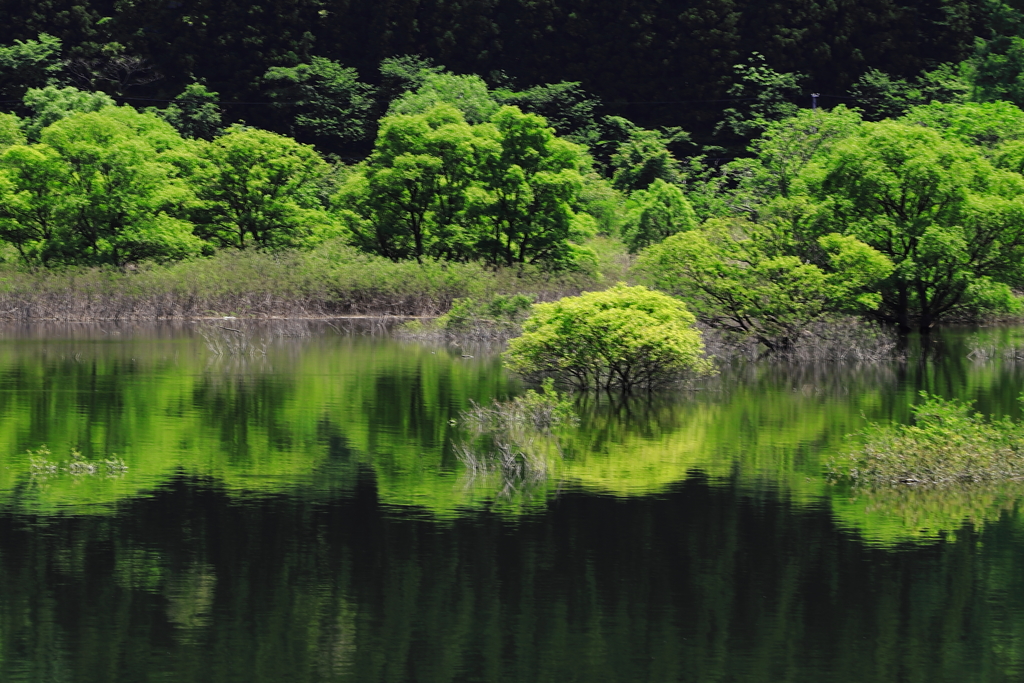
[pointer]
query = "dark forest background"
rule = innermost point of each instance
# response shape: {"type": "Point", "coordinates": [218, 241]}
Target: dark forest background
{"type": "Point", "coordinates": [657, 63]}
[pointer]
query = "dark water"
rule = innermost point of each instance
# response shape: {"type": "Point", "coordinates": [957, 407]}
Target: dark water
{"type": "Point", "coordinates": [303, 517]}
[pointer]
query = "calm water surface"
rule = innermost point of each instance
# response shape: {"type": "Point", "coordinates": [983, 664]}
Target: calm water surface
{"type": "Point", "coordinates": [303, 517]}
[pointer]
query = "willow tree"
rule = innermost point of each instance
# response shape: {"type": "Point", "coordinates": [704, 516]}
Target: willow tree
{"type": "Point", "coordinates": [743, 278]}
{"type": "Point", "coordinates": [260, 190]}
{"type": "Point", "coordinates": [951, 223]}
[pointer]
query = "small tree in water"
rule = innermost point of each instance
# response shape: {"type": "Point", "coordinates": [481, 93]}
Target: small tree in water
{"type": "Point", "coordinates": [624, 338]}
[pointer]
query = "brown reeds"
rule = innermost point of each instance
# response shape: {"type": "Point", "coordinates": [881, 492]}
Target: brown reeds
{"type": "Point", "coordinates": [332, 280]}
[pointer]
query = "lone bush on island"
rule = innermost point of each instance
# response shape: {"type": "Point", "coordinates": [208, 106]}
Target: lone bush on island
{"type": "Point", "coordinates": [623, 338]}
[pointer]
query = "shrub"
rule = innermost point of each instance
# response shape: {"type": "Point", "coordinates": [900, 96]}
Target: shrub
{"type": "Point", "coordinates": [622, 338]}
{"type": "Point", "coordinates": [947, 445]}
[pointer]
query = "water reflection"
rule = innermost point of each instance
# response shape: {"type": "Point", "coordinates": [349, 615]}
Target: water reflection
{"type": "Point", "coordinates": [303, 516]}
{"type": "Point", "coordinates": [700, 583]}
{"type": "Point", "coordinates": [319, 405]}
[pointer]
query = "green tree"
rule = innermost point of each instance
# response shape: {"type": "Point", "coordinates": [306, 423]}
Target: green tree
{"type": "Point", "coordinates": [409, 199]}
{"type": "Point", "coordinates": [782, 153]}
{"type": "Point", "coordinates": [469, 94]}
{"type": "Point", "coordinates": [622, 338]}
{"type": "Point", "coordinates": [50, 104]}
{"type": "Point", "coordinates": [880, 96]}
{"type": "Point", "coordinates": [504, 191]}
{"type": "Point", "coordinates": [101, 188]}
{"type": "Point", "coordinates": [996, 70]}
{"type": "Point", "coordinates": [643, 156]}
{"type": "Point", "coordinates": [566, 106]}
{"type": "Point", "coordinates": [325, 101]}
{"type": "Point", "coordinates": [985, 125]}
{"type": "Point", "coordinates": [951, 223]}
{"type": "Point", "coordinates": [29, 64]}
{"type": "Point", "coordinates": [742, 278]}
{"type": "Point", "coordinates": [195, 112]}
{"type": "Point", "coordinates": [10, 131]}
{"type": "Point", "coordinates": [764, 95]}
{"type": "Point", "coordinates": [531, 185]}
{"type": "Point", "coordinates": [656, 213]}
{"type": "Point", "coordinates": [402, 74]}
{"type": "Point", "coordinates": [36, 206]}
{"type": "Point", "coordinates": [262, 190]}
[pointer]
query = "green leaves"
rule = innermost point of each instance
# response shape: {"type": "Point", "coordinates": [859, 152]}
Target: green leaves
{"type": "Point", "coordinates": [949, 445]}
{"type": "Point", "coordinates": [936, 207]}
{"type": "Point", "coordinates": [654, 214]}
{"type": "Point", "coordinates": [101, 188]}
{"type": "Point", "coordinates": [737, 277]}
{"type": "Point", "coordinates": [622, 338]}
{"type": "Point", "coordinates": [260, 189]}
{"type": "Point", "coordinates": [326, 101]}
{"type": "Point", "coordinates": [437, 186]}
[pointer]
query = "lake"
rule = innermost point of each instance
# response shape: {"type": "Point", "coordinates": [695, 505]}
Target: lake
{"type": "Point", "coordinates": [297, 511]}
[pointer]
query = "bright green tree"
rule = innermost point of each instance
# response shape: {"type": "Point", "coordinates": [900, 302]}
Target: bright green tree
{"type": "Point", "coordinates": [782, 153]}
{"type": "Point", "coordinates": [409, 199]}
{"type": "Point", "coordinates": [261, 190]}
{"type": "Point", "coordinates": [951, 223]}
{"type": "Point", "coordinates": [530, 184]}
{"type": "Point", "coordinates": [623, 338]}
{"type": "Point", "coordinates": [742, 278]}
{"type": "Point", "coordinates": [100, 188]}
{"type": "Point", "coordinates": [469, 94]}
{"type": "Point", "coordinates": [51, 104]}
{"type": "Point", "coordinates": [656, 213]}
{"type": "Point", "coordinates": [504, 191]}
{"type": "Point", "coordinates": [986, 125]}
{"type": "Point", "coordinates": [10, 131]}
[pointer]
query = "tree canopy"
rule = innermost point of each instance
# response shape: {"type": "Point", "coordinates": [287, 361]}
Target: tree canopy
{"type": "Point", "coordinates": [504, 191]}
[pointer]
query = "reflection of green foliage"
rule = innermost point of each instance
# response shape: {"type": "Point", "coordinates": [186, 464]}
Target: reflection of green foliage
{"type": "Point", "coordinates": [501, 312]}
{"type": "Point", "coordinates": [891, 515]}
{"type": "Point", "coordinates": [319, 412]}
{"type": "Point", "coordinates": [289, 421]}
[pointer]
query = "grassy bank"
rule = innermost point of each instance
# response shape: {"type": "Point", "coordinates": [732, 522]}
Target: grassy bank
{"type": "Point", "coordinates": [331, 280]}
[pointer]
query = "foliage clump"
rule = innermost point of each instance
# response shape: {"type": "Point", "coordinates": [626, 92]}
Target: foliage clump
{"type": "Point", "coordinates": [543, 410]}
{"type": "Point", "coordinates": [948, 444]}
{"type": "Point", "coordinates": [515, 439]}
{"type": "Point", "coordinates": [742, 278]}
{"type": "Point", "coordinates": [502, 312]}
{"type": "Point", "coordinates": [623, 338]}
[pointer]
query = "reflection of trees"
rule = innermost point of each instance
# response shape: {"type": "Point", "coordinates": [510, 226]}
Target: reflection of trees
{"type": "Point", "coordinates": [701, 584]}
{"type": "Point", "coordinates": [269, 424]}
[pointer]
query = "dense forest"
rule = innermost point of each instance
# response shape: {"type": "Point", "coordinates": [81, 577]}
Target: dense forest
{"type": "Point", "coordinates": [769, 165]}
{"type": "Point", "coordinates": [654, 62]}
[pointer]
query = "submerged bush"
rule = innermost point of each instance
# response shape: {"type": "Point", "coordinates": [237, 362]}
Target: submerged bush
{"type": "Point", "coordinates": [948, 444]}
{"type": "Point", "coordinates": [515, 440]}
{"type": "Point", "coordinates": [622, 338]}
